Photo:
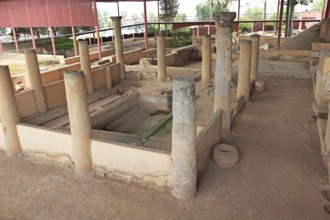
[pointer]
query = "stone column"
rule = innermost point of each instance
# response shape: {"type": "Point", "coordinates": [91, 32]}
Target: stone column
{"type": "Point", "coordinates": [86, 65]}
{"type": "Point", "coordinates": [9, 113]}
{"type": "Point", "coordinates": [206, 60]}
{"type": "Point", "coordinates": [222, 75]}
{"type": "Point", "coordinates": [119, 44]}
{"type": "Point", "coordinates": [255, 56]}
{"type": "Point", "coordinates": [194, 35]}
{"type": "Point", "coordinates": [184, 170]}
{"type": "Point", "coordinates": [35, 81]}
{"type": "Point", "coordinates": [244, 69]}
{"type": "Point", "coordinates": [80, 123]}
{"type": "Point", "coordinates": [161, 58]}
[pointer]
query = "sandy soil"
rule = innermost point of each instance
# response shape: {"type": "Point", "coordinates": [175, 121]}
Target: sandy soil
{"type": "Point", "coordinates": [279, 176]}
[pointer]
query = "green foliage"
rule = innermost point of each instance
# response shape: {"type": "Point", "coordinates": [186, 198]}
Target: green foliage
{"type": "Point", "coordinates": [62, 31]}
{"type": "Point", "coordinates": [152, 17]}
{"type": "Point", "coordinates": [166, 9]}
{"type": "Point", "coordinates": [255, 13]}
{"type": "Point", "coordinates": [3, 31]}
{"type": "Point", "coordinates": [245, 26]}
{"type": "Point", "coordinates": [302, 2]}
{"type": "Point", "coordinates": [203, 11]}
{"type": "Point", "coordinates": [63, 43]}
{"type": "Point", "coordinates": [104, 18]}
{"type": "Point", "coordinates": [219, 5]}
{"type": "Point", "coordinates": [39, 31]}
{"type": "Point", "coordinates": [318, 5]}
{"type": "Point", "coordinates": [180, 38]}
{"type": "Point", "coordinates": [177, 42]}
{"type": "Point", "coordinates": [180, 17]}
{"type": "Point", "coordinates": [152, 30]}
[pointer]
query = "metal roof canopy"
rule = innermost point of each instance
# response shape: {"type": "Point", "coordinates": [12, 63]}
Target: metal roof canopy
{"type": "Point", "coordinates": [47, 13]}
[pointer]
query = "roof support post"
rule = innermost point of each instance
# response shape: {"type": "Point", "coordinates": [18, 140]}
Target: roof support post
{"type": "Point", "coordinates": [280, 25]}
{"type": "Point", "coordinates": [1, 51]}
{"type": "Point", "coordinates": [158, 18]}
{"type": "Point", "coordinates": [74, 41]}
{"type": "Point", "coordinates": [97, 31]}
{"type": "Point", "coordinates": [145, 25]}
{"type": "Point", "coordinates": [53, 40]}
{"type": "Point", "coordinates": [16, 41]}
{"type": "Point", "coordinates": [238, 16]}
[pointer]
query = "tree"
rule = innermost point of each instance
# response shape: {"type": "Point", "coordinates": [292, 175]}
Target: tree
{"type": "Point", "coordinates": [180, 17]}
{"type": "Point", "coordinates": [40, 31]}
{"type": "Point", "coordinates": [166, 12]}
{"type": "Point", "coordinates": [134, 18]}
{"type": "Point", "coordinates": [104, 19]}
{"type": "Point", "coordinates": [290, 11]}
{"type": "Point", "coordinates": [218, 5]}
{"type": "Point", "coordinates": [255, 13]}
{"type": "Point", "coordinates": [3, 31]}
{"type": "Point", "coordinates": [203, 11]}
{"type": "Point", "coordinates": [152, 17]}
{"type": "Point", "coordinates": [318, 5]}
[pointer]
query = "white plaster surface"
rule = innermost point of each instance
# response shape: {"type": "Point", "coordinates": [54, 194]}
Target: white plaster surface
{"type": "Point", "coordinates": [44, 140]}
{"type": "Point", "coordinates": [150, 166]}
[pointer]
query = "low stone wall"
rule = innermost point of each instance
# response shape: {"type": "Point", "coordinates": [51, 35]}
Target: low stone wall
{"type": "Point", "coordinates": [272, 41]}
{"type": "Point", "coordinates": [45, 142]}
{"type": "Point", "coordinates": [114, 110]}
{"type": "Point", "coordinates": [26, 103]}
{"type": "Point", "coordinates": [99, 76]}
{"type": "Point", "coordinates": [133, 56]}
{"type": "Point", "coordinates": [317, 46]}
{"type": "Point", "coordinates": [55, 94]}
{"type": "Point", "coordinates": [183, 54]}
{"type": "Point", "coordinates": [55, 75]}
{"type": "Point", "coordinates": [92, 56]}
{"type": "Point", "coordinates": [171, 59]}
{"type": "Point", "coordinates": [207, 138]}
{"type": "Point", "coordinates": [286, 54]}
{"type": "Point", "coordinates": [155, 99]}
{"type": "Point", "coordinates": [149, 167]}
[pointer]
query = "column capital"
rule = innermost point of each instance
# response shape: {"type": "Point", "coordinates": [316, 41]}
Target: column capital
{"type": "Point", "coordinates": [116, 18]}
{"type": "Point", "coordinates": [224, 19]}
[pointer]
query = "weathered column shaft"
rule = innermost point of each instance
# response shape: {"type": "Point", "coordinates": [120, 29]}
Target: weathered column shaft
{"type": "Point", "coordinates": [9, 113]}
{"type": "Point", "coordinates": [86, 65]}
{"type": "Point", "coordinates": [194, 35]}
{"type": "Point", "coordinates": [184, 171]}
{"type": "Point", "coordinates": [206, 60]}
{"type": "Point", "coordinates": [244, 69]}
{"type": "Point", "coordinates": [161, 58]}
{"type": "Point", "coordinates": [255, 56]}
{"type": "Point", "coordinates": [35, 81]}
{"type": "Point", "coordinates": [222, 75]}
{"type": "Point", "coordinates": [80, 123]}
{"type": "Point", "coordinates": [119, 44]}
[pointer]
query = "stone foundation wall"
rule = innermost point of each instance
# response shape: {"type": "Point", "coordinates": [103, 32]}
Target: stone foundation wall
{"type": "Point", "coordinates": [207, 138]}
{"type": "Point", "coordinates": [26, 103]}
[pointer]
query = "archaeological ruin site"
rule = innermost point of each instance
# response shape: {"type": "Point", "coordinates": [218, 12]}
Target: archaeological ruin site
{"type": "Point", "coordinates": [231, 126]}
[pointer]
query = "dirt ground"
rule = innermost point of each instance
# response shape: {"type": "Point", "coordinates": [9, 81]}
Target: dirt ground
{"type": "Point", "coordinates": [279, 176]}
